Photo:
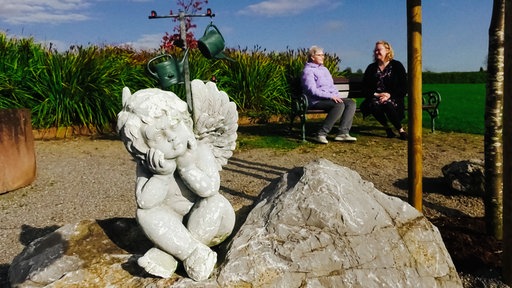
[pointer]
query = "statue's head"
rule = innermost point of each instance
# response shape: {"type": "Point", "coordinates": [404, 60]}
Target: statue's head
{"type": "Point", "coordinates": [154, 118]}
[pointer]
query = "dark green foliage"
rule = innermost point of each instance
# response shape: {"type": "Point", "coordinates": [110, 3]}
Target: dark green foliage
{"type": "Point", "coordinates": [454, 77]}
{"type": "Point", "coordinates": [83, 86]}
{"type": "Point", "coordinates": [17, 58]}
{"type": "Point", "coordinates": [443, 77]}
{"type": "Point", "coordinates": [80, 87]}
{"type": "Point", "coordinates": [255, 83]}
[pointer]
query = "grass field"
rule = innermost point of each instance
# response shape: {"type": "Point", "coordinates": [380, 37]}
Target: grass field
{"type": "Point", "coordinates": [462, 107]}
{"type": "Point", "coordinates": [461, 110]}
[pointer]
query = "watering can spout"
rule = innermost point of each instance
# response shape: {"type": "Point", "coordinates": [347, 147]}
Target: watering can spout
{"type": "Point", "coordinates": [168, 72]}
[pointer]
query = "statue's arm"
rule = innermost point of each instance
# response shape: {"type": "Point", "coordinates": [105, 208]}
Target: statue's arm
{"type": "Point", "coordinates": [199, 171]}
{"type": "Point", "coordinates": [151, 189]}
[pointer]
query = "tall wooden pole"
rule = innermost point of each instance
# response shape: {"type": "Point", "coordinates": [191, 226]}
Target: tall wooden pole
{"type": "Point", "coordinates": [507, 150]}
{"type": "Point", "coordinates": [414, 66]}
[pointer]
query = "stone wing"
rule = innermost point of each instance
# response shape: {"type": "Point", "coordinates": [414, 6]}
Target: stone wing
{"type": "Point", "coordinates": [215, 119]}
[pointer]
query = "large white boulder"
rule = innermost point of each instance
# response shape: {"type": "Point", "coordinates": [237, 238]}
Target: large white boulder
{"type": "Point", "coordinates": [323, 226]}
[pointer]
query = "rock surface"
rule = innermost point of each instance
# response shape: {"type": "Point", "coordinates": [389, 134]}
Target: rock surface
{"type": "Point", "coordinates": [319, 226]}
{"type": "Point", "coordinates": [323, 226]}
{"type": "Point", "coordinates": [466, 177]}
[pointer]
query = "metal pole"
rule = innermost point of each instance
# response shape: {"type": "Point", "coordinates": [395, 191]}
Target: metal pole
{"type": "Point", "coordinates": [186, 71]}
{"type": "Point", "coordinates": [414, 61]}
{"type": "Point", "coordinates": [183, 34]}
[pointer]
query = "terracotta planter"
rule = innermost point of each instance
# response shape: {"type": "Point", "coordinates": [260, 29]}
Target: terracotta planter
{"type": "Point", "coordinates": [17, 154]}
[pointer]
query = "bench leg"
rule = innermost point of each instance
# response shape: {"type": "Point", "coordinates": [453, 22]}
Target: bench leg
{"type": "Point", "coordinates": [292, 119]}
{"type": "Point", "coordinates": [433, 115]}
{"type": "Point", "coordinates": [303, 127]}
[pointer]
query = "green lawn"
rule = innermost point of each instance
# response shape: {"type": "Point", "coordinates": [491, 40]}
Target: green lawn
{"type": "Point", "coordinates": [462, 107]}
{"type": "Point", "coordinates": [461, 110]}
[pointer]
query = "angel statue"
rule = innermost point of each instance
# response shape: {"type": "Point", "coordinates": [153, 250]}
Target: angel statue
{"type": "Point", "coordinates": [178, 158]}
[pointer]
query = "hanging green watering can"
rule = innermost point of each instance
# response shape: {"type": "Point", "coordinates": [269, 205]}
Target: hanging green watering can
{"type": "Point", "coordinates": [212, 43]}
{"type": "Point", "coordinates": [168, 72]}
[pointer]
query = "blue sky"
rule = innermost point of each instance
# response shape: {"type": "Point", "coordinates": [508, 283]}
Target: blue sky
{"type": "Point", "coordinates": [454, 31]}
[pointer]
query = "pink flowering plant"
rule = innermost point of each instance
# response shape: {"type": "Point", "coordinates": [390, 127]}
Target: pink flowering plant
{"type": "Point", "coordinates": [169, 41]}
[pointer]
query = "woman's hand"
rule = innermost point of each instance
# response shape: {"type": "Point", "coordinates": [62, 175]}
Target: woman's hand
{"type": "Point", "coordinates": [383, 97]}
{"type": "Point", "coordinates": [336, 99]}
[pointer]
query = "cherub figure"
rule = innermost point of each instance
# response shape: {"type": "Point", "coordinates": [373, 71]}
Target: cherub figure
{"type": "Point", "coordinates": [179, 206]}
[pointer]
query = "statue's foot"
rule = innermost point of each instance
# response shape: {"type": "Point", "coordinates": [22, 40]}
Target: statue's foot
{"type": "Point", "coordinates": [200, 263]}
{"type": "Point", "coordinates": [157, 262]}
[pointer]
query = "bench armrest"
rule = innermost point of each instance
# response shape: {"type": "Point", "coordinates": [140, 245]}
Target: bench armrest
{"type": "Point", "coordinates": [431, 101]}
{"type": "Point", "coordinates": [299, 104]}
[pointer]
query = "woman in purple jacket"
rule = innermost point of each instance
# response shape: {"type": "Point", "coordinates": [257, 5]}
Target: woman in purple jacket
{"type": "Point", "coordinates": [318, 85]}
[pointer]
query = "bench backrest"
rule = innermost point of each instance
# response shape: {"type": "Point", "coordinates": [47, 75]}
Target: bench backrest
{"type": "Point", "coordinates": [351, 88]}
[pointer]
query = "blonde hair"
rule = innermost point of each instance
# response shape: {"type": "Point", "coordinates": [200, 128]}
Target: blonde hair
{"type": "Point", "coordinates": [391, 53]}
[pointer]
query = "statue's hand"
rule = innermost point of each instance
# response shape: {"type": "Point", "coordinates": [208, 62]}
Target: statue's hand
{"type": "Point", "coordinates": [157, 163]}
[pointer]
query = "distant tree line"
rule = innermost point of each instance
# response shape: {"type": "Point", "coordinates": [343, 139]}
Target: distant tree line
{"type": "Point", "coordinates": [442, 77]}
{"type": "Point", "coordinates": [454, 77]}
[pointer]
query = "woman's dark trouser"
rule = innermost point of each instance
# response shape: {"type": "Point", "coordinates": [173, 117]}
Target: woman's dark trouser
{"type": "Point", "coordinates": [344, 110]}
{"type": "Point", "coordinates": [385, 112]}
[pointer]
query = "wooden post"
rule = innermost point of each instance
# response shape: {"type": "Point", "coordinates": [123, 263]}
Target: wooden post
{"type": "Point", "coordinates": [414, 63]}
{"type": "Point", "coordinates": [507, 150]}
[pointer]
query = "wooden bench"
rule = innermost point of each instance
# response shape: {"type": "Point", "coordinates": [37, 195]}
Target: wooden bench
{"type": "Point", "coordinates": [352, 88]}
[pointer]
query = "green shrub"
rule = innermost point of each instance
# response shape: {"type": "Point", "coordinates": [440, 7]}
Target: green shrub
{"type": "Point", "coordinates": [17, 55]}
{"type": "Point", "coordinates": [83, 85]}
{"type": "Point", "coordinates": [454, 77]}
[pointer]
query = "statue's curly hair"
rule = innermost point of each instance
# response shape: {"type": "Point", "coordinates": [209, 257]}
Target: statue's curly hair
{"type": "Point", "coordinates": [146, 111]}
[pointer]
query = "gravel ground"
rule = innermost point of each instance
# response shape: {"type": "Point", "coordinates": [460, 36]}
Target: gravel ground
{"type": "Point", "coordinates": [85, 178]}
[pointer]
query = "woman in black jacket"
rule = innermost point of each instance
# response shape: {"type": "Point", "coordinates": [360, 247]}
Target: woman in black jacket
{"type": "Point", "coordinates": [385, 87]}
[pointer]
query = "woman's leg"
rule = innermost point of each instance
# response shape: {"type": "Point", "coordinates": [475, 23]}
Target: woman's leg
{"type": "Point", "coordinates": [347, 116]}
{"type": "Point", "coordinates": [396, 120]}
{"type": "Point", "coordinates": [393, 116]}
{"type": "Point", "coordinates": [334, 111]}
{"type": "Point", "coordinates": [383, 113]}
{"type": "Point", "coordinates": [379, 115]}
